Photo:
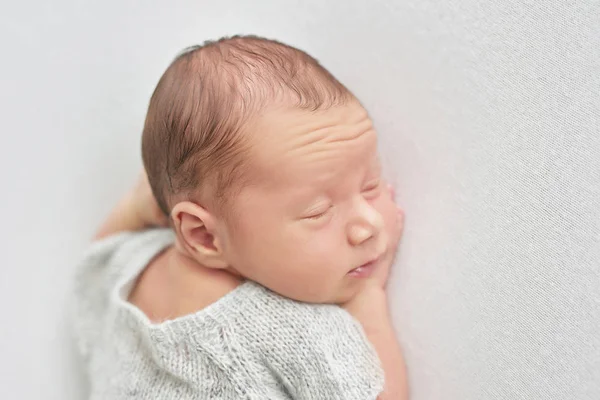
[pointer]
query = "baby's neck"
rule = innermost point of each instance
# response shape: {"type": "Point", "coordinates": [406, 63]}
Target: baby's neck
{"type": "Point", "coordinates": [174, 285]}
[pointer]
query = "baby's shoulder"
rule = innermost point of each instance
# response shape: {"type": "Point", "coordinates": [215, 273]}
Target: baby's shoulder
{"type": "Point", "coordinates": [165, 291]}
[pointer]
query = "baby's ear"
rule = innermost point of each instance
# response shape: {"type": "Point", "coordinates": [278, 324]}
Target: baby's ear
{"type": "Point", "coordinates": [196, 233]}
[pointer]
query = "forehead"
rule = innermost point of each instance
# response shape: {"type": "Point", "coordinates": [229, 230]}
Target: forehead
{"type": "Point", "coordinates": [300, 145]}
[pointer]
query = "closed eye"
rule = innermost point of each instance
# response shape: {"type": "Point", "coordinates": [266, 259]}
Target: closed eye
{"type": "Point", "coordinates": [319, 214]}
{"type": "Point", "coordinates": [372, 189]}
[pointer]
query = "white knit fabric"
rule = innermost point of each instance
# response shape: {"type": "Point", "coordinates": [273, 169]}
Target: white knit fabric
{"type": "Point", "coordinates": [250, 344]}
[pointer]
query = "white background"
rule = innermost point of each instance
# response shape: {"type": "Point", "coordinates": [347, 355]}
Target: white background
{"type": "Point", "coordinates": [489, 115]}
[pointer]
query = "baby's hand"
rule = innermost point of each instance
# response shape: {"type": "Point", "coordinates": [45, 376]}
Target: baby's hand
{"type": "Point", "coordinates": [137, 210]}
{"type": "Point", "coordinates": [144, 203]}
{"type": "Point", "coordinates": [394, 223]}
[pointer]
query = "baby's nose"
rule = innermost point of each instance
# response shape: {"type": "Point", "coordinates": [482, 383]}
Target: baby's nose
{"type": "Point", "coordinates": [367, 224]}
{"type": "Point", "coordinates": [359, 234]}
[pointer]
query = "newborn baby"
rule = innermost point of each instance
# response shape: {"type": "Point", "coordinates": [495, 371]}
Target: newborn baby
{"type": "Point", "coordinates": [267, 280]}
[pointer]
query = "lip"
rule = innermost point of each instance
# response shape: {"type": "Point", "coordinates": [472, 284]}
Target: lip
{"type": "Point", "coordinates": [365, 270]}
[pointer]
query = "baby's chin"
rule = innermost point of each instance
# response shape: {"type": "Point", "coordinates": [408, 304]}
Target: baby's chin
{"type": "Point", "coordinates": [333, 296]}
{"type": "Point", "coordinates": [343, 294]}
{"type": "Point", "coordinates": [339, 291]}
{"type": "Point", "coordinates": [350, 291]}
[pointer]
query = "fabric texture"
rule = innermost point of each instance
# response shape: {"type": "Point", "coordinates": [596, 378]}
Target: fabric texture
{"type": "Point", "coordinates": [250, 344]}
{"type": "Point", "coordinates": [491, 123]}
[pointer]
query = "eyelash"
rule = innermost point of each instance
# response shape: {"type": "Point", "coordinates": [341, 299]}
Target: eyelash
{"type": "Point", "coordinates": [320, 215]}
{"type": "Point", "coordinates": [372, 186]}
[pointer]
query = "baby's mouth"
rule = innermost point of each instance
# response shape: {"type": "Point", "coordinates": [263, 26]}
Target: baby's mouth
{"type": "Point", "coordinates": [365, 270]}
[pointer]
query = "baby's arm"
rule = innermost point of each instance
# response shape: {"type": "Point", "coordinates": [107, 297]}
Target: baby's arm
{"type": "Point", "coordinates": [370, 308]}
{"type": "Point", "coordinates": [137, 210]}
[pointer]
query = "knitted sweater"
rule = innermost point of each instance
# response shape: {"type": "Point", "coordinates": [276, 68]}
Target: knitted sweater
{"type": "Point", "coordinates": [250, 344]}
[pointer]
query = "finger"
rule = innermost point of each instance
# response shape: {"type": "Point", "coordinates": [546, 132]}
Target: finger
{"type": "Point", "coordinates": [392, 191]}
{"type": "Point", "coordinates": [399, 223]}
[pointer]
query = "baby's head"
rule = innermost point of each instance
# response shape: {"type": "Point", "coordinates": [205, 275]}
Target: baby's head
{"type": "Point", "coordinates": [268, 167]}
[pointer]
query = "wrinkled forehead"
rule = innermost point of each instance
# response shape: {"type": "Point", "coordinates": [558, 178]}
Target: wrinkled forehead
{"type": "Point", "coordinates": [291, 143]}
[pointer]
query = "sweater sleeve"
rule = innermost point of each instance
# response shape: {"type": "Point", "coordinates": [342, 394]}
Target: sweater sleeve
{"type": "Point", "coordinates": [315, 351]}
{"type": "Point", "coordinates": [103, 264]}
